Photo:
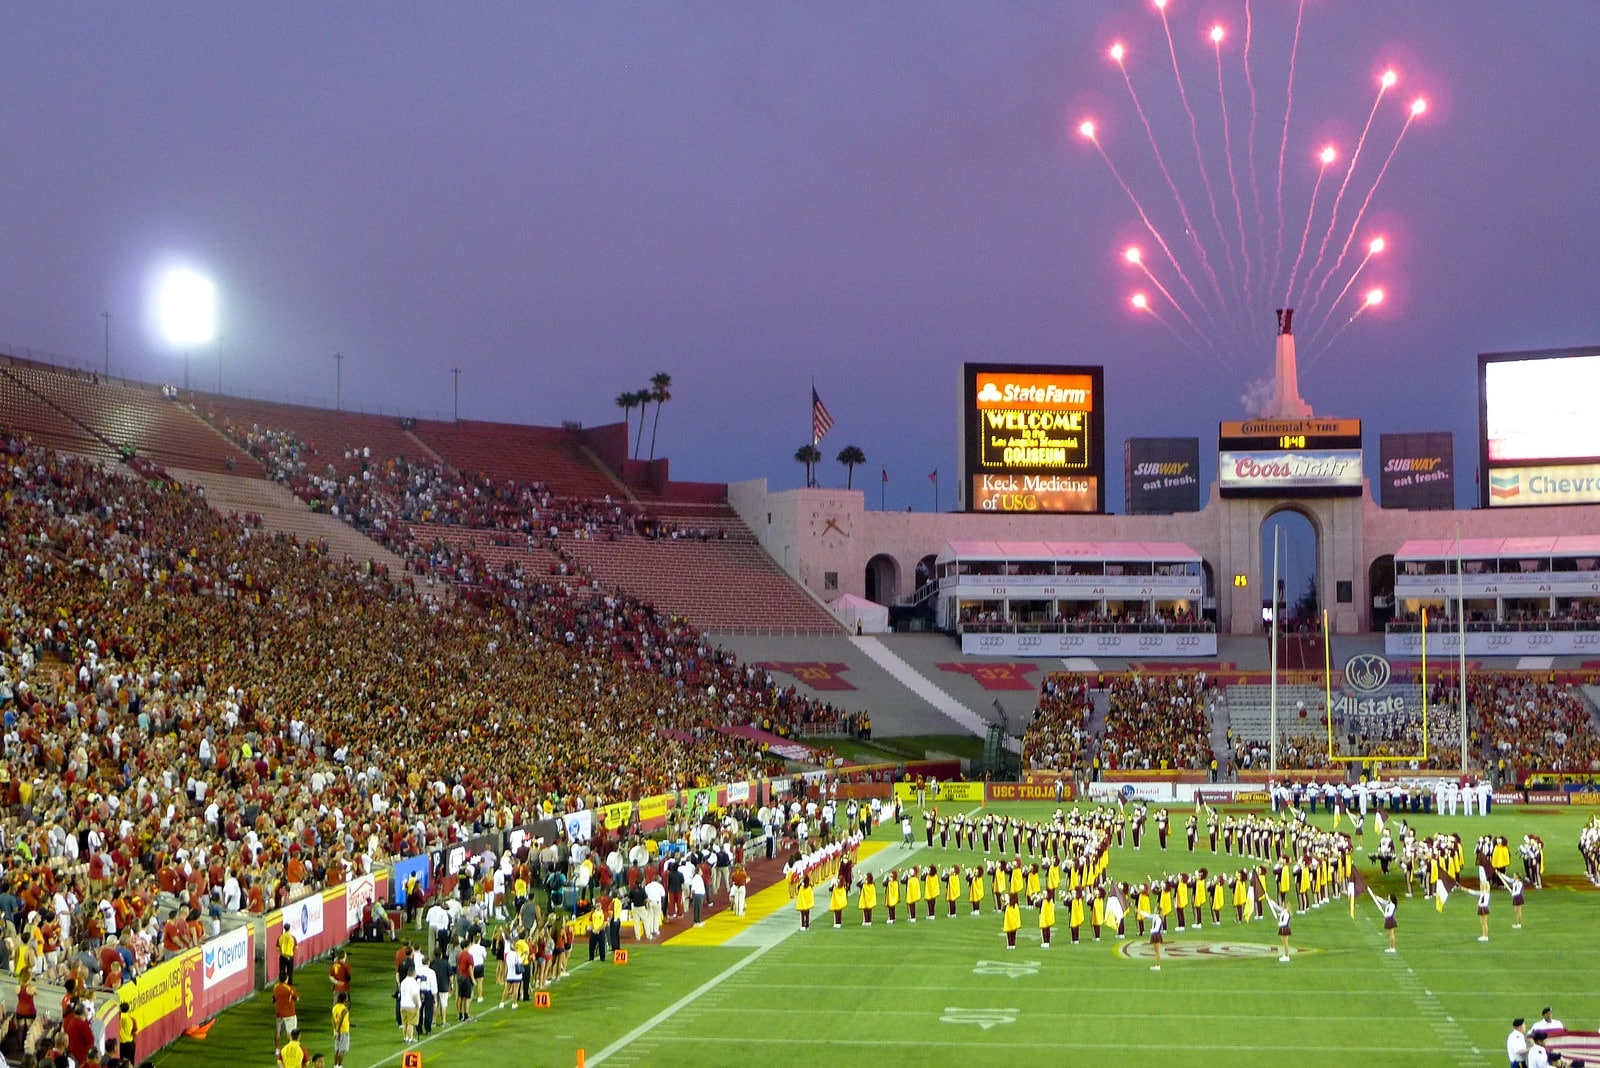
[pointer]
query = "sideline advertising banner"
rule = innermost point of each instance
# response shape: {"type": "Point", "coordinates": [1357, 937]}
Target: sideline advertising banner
{"type": "Point", "coordinates": [1408, 644]}
{"type": "Point", "coordinates": [1132, 644]}
{"type": "Point", "coordinates": [190, 988]}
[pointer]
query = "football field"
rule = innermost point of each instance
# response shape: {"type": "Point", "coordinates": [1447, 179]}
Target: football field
{"type": "Point", "coordinates": [759, 991]}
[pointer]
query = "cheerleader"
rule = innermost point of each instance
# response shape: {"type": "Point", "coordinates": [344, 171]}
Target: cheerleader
{"type": "Point", "coordinates": [975, 888]}
{"type": "Point", "coordinates": [891, 893]}
{"type": "Point", "coordinates": [1282, 916]}
{"type": "Point", "coordinates": [1515, 886]}
{"type": "Point", "coordinates": [930, 892]}
{"type": "Point", "coordinates": [867, 900]}
{"type": "Point", "coordinates": [1483, 911]}
{"type": "Point", "coordinates": [952, 889]}
{"type": "Point", "coordinates": [999, 886]}
{"type": "Point", "coordinates": [1011, 921]}
{"type": "Point", "coordinates": [1047, 920]}
{"type": "Point", "coordinates": [913, 893]}
{"type": "Point", "coordinates": [1180, 897]}
{"type": "Point", "coordinates": [1388, 908]}
{"type": "Point", "coordinates": [1157, 934]}
{"type": "Point", "coordinates": [1219, 888]}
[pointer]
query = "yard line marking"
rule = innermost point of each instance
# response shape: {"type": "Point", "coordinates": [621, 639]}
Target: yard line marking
{"type": "Point", "coordinates": [717, 980]}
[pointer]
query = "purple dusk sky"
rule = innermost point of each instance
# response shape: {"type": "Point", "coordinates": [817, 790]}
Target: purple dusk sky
{"type": "Point", "coordinates": [563, 199]}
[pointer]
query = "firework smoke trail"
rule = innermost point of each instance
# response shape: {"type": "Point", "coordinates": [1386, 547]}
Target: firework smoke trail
{"type": "Point", "coordinates": [1418, 106]}
{"type": "Point", "coordinates": [1087, 129]}
{"type": "Point", "coordinates": [1199, 155]}
{"type": "Point", "coordinates": [1374, 247]}
{"type": "Point", "coordinates": [1283, 143]}
{"type": "Point", "coordinates": [1374, 297]}
{"type": "Point", "coordinates": [1227, 151]}
{"type": "Point", "coordinates": [1183, 208]}
{"type": "Point", "coordinates": [1255, 185]}
{"type": "Point", "coordinates": [1135, 257]}
{"type": "Point", "coordinates": [1384, 83]}
{"type": "Point", "coordinates": [1327, 157]}
{"type": "Point", "coordinates": [1141, 303]}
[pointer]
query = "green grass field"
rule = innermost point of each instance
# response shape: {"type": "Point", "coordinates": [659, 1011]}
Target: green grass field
{"type": "Point", "coordinates": [949, 990]}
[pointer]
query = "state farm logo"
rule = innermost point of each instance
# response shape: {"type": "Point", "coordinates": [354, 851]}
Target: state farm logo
{"type": "Point", "coordinates": [1366, 672]}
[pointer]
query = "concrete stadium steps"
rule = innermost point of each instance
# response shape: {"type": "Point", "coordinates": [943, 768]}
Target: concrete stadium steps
{"type": "Point", "coordinates": [719, 584]}
{"type": "Point", "coordinates": [526, 453]}
{"type": "Point", "coordinates": [112, 415]}
{"type": "Point", "coordinates": [285, 513]}
{"type": "Point", "coordinates": [896, 709]}
{"type": "Point", "coordinates": [923, 653]}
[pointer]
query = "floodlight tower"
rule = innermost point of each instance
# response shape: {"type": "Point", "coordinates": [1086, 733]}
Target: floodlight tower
{"type": "Point", "coordinates": [187, 309]}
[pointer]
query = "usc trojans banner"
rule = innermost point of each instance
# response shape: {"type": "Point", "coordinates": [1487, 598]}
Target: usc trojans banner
{"type": "Point", "coordinates": [190, 988]}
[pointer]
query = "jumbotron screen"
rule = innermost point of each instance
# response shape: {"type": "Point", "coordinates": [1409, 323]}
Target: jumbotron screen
{"type": "Point", "coordinates": [1539, 441]}
{"type": "Point", "coordinates": [1033, 438]}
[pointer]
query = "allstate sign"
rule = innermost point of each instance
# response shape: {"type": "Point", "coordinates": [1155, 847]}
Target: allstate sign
{"type": "Point", "coordinates": [1366, 673]}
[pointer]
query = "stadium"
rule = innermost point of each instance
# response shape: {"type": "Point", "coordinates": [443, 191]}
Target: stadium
{"type": "Point", "coordinates": [317, 661]}
{"type": "Point", "coordinates": [553, 735]}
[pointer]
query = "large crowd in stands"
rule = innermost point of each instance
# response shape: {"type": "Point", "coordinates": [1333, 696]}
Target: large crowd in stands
{"type": "Point", "coordinates": [1057, 738]}
{"type": "Point", "coordinates": [1525, 722]}
{"type": "Point", "coordinates": [1158, 722]}
{"type": "Point", "coordinates": [1520, 722]}
{"type": "Point", "coordinates": [201, 713]}
{"type": "Point", "coordinates": [1152, 723]}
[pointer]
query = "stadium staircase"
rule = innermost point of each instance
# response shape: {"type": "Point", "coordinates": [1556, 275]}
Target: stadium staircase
{"type": "Point", "coordinates": [920, 685]}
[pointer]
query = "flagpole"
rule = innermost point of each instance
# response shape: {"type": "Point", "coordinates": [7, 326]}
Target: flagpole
{"type": "Point", "coordinates": [883, 492]}
{"type": "Point", "coordinates": [1461, 624]}
{"type": "Point", "coordinates": [1327, 680]}
{"type": "Point", "coordinates": [1424, 684]}
{"type": "Point", "coordinates": [1273, 768]}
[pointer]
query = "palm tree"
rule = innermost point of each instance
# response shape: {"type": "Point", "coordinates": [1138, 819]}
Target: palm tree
{"type": "Point", "coordinates": [660, 392]}
{"type": "Point", "coordinates": [626, 402]}
{"type": "Point", "coordinates": [850, 456]}
{"type": "Point", "coordinates": [808, 455]}
{"type": "Point", "coordinates": [641, 397]}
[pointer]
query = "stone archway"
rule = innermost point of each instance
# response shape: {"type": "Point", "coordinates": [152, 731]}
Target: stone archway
{"type": "Point", "coordinates": [1300, 591]}
{"type": "Point", "coordinates": [1380, 589]}
{"type": "Point", "coordinates": [883, 579]}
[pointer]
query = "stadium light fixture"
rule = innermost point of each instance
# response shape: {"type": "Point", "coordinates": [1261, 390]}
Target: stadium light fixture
{"type": "Point", "coordinates": [186, 310]}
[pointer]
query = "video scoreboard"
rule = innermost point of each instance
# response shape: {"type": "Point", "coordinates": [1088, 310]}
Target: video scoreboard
{"type": "Point", "coordinates": [1290, 458]}
{"type": "Point", "coordinates": [1033, 438]}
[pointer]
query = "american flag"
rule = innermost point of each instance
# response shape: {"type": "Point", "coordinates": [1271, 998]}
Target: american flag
{"type": "Point", "coordinates": [821, 421]}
